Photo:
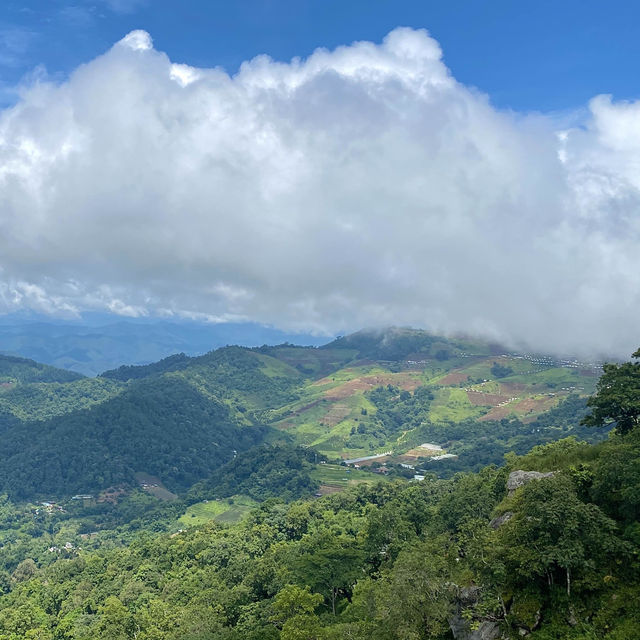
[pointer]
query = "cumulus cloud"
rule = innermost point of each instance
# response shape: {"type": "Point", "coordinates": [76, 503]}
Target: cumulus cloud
{"type": "Point", "coordinates": [360, 187]}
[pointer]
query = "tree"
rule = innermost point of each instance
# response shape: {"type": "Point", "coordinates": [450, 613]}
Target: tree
{"type": "Point", "coordinates": [500, 371]}
{"type": "Point", "coordinates": [617, 398]}
{"type": "Point", "coordinates": [295, 612]}
{"type": "Point", "coordinates": [553, 538]}
{"type": "Point", "coordinates": [330, 565]}
{"type": "Point", "coordinates": [115, 621]}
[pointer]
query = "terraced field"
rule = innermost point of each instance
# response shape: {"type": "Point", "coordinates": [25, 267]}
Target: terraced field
{"type": "Point", "coordinates": [229, 510]}
{"type": "Point", "coordinates": [332, 409]}
{"type": "Point", "coordinates": [335, 477]}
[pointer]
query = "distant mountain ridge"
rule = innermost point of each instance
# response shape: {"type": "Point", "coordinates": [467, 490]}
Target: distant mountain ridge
{"type": "Point", "coordinates": [92, 348]}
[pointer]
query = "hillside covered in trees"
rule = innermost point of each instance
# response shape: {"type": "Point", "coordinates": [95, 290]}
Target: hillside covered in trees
{"type": "Point", "coordinates": [545, 546]}
{"type": "Point", "coordinates": [501, 552]}
{"type": "Point", "coordinates": [359, 396]}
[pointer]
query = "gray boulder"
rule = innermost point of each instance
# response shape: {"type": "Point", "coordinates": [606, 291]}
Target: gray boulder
{"type": "Point", "coordinates": [518, 479]}
{"type": "Point", "coordinates": [486, 630]}
{"type": "Point", "coordinates": [496, 523]}
{"type": "Point", "coordinates": [460, 627]}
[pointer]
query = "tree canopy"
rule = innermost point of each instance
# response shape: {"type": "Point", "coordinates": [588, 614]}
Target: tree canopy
{"type": "Point", "coordinates": [617, 399]}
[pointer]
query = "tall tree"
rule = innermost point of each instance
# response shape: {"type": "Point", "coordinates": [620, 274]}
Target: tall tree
{"type": "Point", "coordinates": [617, 398]}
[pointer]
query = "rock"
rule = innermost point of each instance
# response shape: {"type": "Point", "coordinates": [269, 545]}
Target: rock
{"type": "Point", "coordinates": [518, 479]}
{"type": "Point", "coordinates": [496, 523]}
{"type": "Point", "coordinates": [486, 630]}
{"type": "Point", "coordinates": [460, 627]}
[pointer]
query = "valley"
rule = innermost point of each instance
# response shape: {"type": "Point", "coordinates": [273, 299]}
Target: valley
{"type": "Point", "coordinates": [304, 472]}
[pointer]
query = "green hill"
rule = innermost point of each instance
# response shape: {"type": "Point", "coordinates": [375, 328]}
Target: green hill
{"type": "Point", "coordinates": [359, 396]}
{"type": "Point", "coordinates": [14, 370]}
{"type": "Point", "coordinates": [162, 426]}
{"type": "Point", "coordinates": [545, 548]}
{"type": "Point", "coordinates": [375, 391]}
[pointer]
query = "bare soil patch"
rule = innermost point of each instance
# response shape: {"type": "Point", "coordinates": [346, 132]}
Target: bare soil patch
{"type": "Point", "coordinates": [497, 413]}
{"type": "Point", "coordinates": [454, 378]}
{"type": "Point", "coordinates": [336, 414]}
{"type": "Point", "coordinates": [404, 381]}
{"type": "Point", "coordinates": [326, 489]}
{"type": "Point", "coordinates": [534, 405]}
{"type": "Point", "coordinates": [513, 388]}
{"type": "Point", "coordinates": [486, 399]}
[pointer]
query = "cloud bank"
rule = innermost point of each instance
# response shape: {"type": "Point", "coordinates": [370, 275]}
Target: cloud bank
{"type": "Point", "coordinates": [360, 187]}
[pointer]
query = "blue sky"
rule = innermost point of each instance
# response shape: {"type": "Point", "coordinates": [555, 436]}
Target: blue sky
{"type": "Point", "coordinates": [527, 55]}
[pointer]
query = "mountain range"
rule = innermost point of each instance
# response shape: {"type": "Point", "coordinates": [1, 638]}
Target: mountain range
{"type": "Point", "coordinates": [379, 396]}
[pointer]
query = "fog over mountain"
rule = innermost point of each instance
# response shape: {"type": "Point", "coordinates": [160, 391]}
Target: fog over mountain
{"type": "Point", "coordinates": [360, 187]}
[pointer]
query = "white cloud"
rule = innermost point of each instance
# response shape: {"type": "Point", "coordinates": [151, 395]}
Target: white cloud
{"type": "Point", "coordinates": [125, 6]}
{"type": "Point", "coordinates": [14, 43]}
{"type": "Point", "coordinates": [360, 187]}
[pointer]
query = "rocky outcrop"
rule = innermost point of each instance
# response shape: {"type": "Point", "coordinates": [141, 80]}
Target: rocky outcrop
{"type": "Point", "coordinates": [486, 630]}
{"type": "Point", "coordinates": [461, 627]}
{"type": "Point", "coordinates": [500, 520]}
{"type": "Point", "coordinates": [518, 479]}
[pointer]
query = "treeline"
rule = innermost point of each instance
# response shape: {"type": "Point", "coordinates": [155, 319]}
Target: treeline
{"type": "Point", "coordinates": [14, 369]}
{"type": "Point", "coordinates": [396, 411]}
{"type": "Point", "coordinates": [392, 344]}
{"type": "Point", "coordinates": [225, 373]}
{"type": "Point", "coordinates": [40, 400]}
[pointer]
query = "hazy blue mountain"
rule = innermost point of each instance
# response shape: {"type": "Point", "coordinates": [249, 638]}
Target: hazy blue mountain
{"type": "Point", "coordinates": [97, 343]}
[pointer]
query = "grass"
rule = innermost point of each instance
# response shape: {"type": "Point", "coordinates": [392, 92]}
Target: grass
{"type": "Point", "coordinates": [229, 510]}
{"type": "Point", "coordinates": [452, 404]}
{"type": "Point", "coordinates": [274, 368]}
{"type": "Point", "coordinates": [559, 378]}
{"type": "Point", "coordinates": [336, 475]}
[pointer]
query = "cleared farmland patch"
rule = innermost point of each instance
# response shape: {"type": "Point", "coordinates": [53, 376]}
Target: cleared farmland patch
{"type": "Point", "coordinates": [453, 378]}
{"type": "Point", "coordinates": [230, 510]}
{"type": "Point", "coordinates": [480, 399]}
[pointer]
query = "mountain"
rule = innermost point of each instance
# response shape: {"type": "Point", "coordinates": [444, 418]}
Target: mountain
{"type": "Point", "coordinates": [98, 344]}
{"type": "Point", "coordinates": [179, 419]}
{"type": "Point", "coordinates": [371, 394]}
{"type": "Point", "coordinates": [374, 391]}
{"type": "Point", "coordinates": [164, 427]}
{"type": "Point", "coordinates": [15, 370]}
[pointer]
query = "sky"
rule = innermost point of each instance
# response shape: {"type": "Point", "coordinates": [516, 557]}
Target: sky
{"type": "Point", "coordinates": [324, 166]}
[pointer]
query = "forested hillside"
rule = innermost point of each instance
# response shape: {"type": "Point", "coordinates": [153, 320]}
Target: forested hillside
{"type": "Point", "coordinates": [14, 370]}
{"type": "Point", "coordinates": [164, 427]}
{"type": "Point", "coordinates": [510, 554]}
{"type": "Point", "coordinates": [359, 396]}
{"type": "Point", "coordinates": [276, 542]}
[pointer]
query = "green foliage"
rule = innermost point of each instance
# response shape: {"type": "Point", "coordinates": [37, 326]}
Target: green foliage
{"type": "Point", "coordinates": [14, 369]}
{"type": "Point", "coordinates": [40, 401]}
{"type": "Point", "coordinates": [396, 411]}
{"type": "Point", "coordinates": [617, 398]}
{"type": "Point", "coordinates": [136, 372]}
{"type": "Point", "coordinates": [500, 371]}
{"type": "Point", "coordinates": [264, 472]}
{"type": "Point", "coordinates": [164, 427]}
{"type": "Point", "coordinates": [388, 562]}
